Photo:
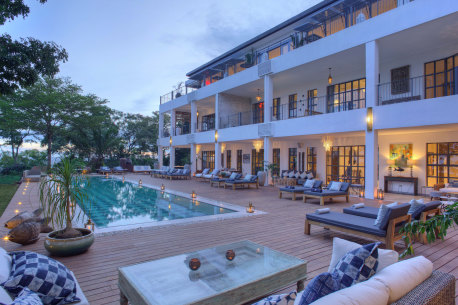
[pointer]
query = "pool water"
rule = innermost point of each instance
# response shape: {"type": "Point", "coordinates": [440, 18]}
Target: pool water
{"type": "Point", "coordinates": [115, 203]}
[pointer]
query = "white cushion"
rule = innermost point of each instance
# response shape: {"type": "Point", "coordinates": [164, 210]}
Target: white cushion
{"type": "Point", "coordinates": [232, 176]}
{"type": "Point", "coordinates": [248, 177]}
{"type": "Point", "coordinates": [402, 277]}
{"type": "Point", "coordinates": [285, 174]}
{"type": "Point", "coordinates": [340, 247]}
{"type": "Point", "coordinates": [298, 174]}
{"type": "Point", "coordinates": [208, 176]}
{"type": "Point", "coordinates": [309, 183]}
{"type": "Point", "coordinates": [335, 186]}
{"type": "Point", "coordinates": [5, 297]}
{"type": "Point", "coordinates": [291, 174]}
{"type": "Point", "coordinates": [371, 292]}
{"type": "Point", "coordinates": [382, 212]}
{"type": "Point", "coordinates": [5, 265]}
{"type": "Point", "coordinates": [303, 175]}
{"type": "Point", "coordinates": [298, 298]}
{"type": "Point", "coordinates": [310, 176]}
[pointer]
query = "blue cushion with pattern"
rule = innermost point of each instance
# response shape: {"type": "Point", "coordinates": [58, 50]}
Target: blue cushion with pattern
{"type": "Point", "coordinates": [48, 278]}
{"type": "Point", "coordinates": [279, 299]}
{"type": "Point", "coordinates": [321, 285]}
{"type": "Point", "coordinates": [27, 297]}
{"type": "Point", "coordinates": [357, 265]}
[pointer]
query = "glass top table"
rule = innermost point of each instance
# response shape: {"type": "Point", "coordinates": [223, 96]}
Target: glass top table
{"type": "Point", "coordinates": [256, 271]}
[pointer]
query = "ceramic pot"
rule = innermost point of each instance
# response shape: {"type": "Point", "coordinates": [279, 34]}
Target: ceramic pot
{"type": "Point", "coordinates": [69, 246]}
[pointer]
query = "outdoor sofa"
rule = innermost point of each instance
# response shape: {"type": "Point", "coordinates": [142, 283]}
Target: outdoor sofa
{"type": "Point", "coordinates": [179, 174]}
{"type": "Point", "coordinates": [142, 169]}
{"type": "Point", "coordinates": [119, 170]}
{"type": "Point", "coordinates": [299, 190]}
{"type": "Point", "coordinates": [329, 193]}
{"type": "Point", "coordinates": [104, 170]}
{"type": "Point", "coordinates": [220, 181]}
{"type": "Point", "coordinates": [158, 172]}
{"type": "Point", "coordinates": [242, 183]}
{"type": "Point", "coordinates": [387, 231]}
{"type": "Point", "coordinates": [32, 175]}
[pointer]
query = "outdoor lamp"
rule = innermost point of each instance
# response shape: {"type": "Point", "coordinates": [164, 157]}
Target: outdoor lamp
{"type": "Point", "coordinates": [162, 187]}
{"type": "Point", "coordinates": [369, 119]}
{"type": "Point", "coordinates": [411, 162]}
{"type": "Point", "coordinates": [193, 195]}
{"type": "Point", "coordinates": [6, 238]}
{"type": "Point", "coordinates": [216, 136]}
{"type": "Point", "coordinates": [89, 225]}
{"type": "Point", "coordinates": [361, 193]}
{"type": "Point", "coordinates": [380, 194]}
{"type": "Point", "coordinates": [258, 97]}
{"type": "Point", "coordinates": [230, 255]}
{"type": "Point", "coordinates": [330, 77]}
{"type": "Point", "coordinates": [170, 141]}
{"type": "Point", "coordinates": [16, 211]}
{"type": "Point", "coordinates": [250, 208]}
{"type": "Point", "coordinates": [140, 182]}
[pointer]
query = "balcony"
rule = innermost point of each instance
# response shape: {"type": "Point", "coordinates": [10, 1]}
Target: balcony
{"type": "Point", "coordinates": [176, 93]}
{"type": "Point", "coordinates": [241, 118]}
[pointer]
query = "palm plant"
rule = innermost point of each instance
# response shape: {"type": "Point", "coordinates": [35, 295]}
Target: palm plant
{"type": "Point", "coordinates": [59, 193]}
{"type": "Point", "coordinates": [436, 227]}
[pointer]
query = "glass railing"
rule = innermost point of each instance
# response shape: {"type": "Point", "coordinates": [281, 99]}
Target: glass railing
{"type": "Point", "coordinates": [205, 126]}
{"type": "Point", "coordinates": [241, 118]}
{"type": "Point", "coordinates": [174, 94]}
{"type": "Point", "coordinates": [183, 129]}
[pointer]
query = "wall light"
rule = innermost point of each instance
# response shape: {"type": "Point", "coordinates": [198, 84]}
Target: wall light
{"type": "Point", "coordinates": [330, 77]}
{"type": "Point", "coordinates": [170, 141]}
{"type": "Point", "coordinates": [327, 143]}
{"type": "Point", "coordinates": [216, 136]}
{"type": "Point", "coordinates": [257, 145]}
{"type": "Point", "coordinates": [258, 97]}
{"type": "Point", "coordinates": [369, 118]}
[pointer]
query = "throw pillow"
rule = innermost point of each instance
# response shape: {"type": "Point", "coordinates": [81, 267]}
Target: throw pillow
{"type": "Point", "coordinates": [51, 280]}
{"type": "Point", "coordinates": [27, 297]}
{"type": "Point", "coordinates": [5, 265]}
{"type": "Point", "coordinates": [321, 285]}
{"type": "Point", "coordinates": [279, 299]}
{"type": "Point", "coordinates": [416, 206]}
{"type": "Point", "coordinates": [248, 177]}
{"type": "Point", "coordinates": [335, 186]}
{"type": "Point", "coordinates": [5, 297]}
{"type": "Point", "coordinates": [309, 183]}
{"type": "Point", "coordinates": [291, 174]}
{"type": "Point", "coordinates": [298, 174]}
{"type": "Point", "coordinates": [383, 212]}
{"type": "Point", "coordinates": [340, 247]}
{"type": "Point", "coordinates": [303, 175]}
{"type": "Point", "coordinates": [232, 176]}
{"type": "Point", "coordinates": [357, 265]}
{"type": "Point", "coordinates": [310, 175]}
{"type": "Point", "coordinates": [285, 174]}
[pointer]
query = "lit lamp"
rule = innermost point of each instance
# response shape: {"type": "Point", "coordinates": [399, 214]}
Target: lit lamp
{"type": "Point", "coordinates": [19, 203]}
{"type": "Point", "coordinates": [123, 179]}
{"type": "Point", "coordinates": [216, 136]}
{"type": "Point", "coordinates": [380, 194]}
{"type": "Point", "coordinates": [390, 162]}
{"type": "Point", "coordinates": [258, 97]}
{"type": "Point", "coordinates": [361, 192]}
{"type": "Point", "coordinates": [230, 255]}
{"type": "Point", "coordinates": [369, 118]}
{"type": "Point", "coordinates": [162, 187]}
{"type": "Point", "coordinates": [16, 211]}
{"type": "Point", "coordinates": [330, 77]}
{"type": "Point", "coordinates": [193, 195]}
{"type": "Point", "coordinates": [250, 208]}
{"type": "Point", "coordinates": [170, 141]}
{"type": "Point", "coordinates": [6, 238]}
{"type": "Point", "coordinates": [140, 182]}
{"type": "Point", "coordinates": [89, 225]}
{"type": "Point", "coordinates": [411, 162]}
{"type": "Point", "coordinates": [194, 264]}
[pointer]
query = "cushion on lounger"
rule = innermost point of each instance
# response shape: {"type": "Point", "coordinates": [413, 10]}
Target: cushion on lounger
{"type": "Point", "coordinates": [205, 171]}
{"type": "Point", "coordinates": [335, 186]}
{"type": "Point", "coordinates": [416, 207]}
{"type": "Point", "coordinates": [309, 183]}
{"type": "Point", "coordinates": [310, 175]}
{"type": "Point", "coordinates": [394, 212]}
{"type": "Point", "coordinates": [369, 212]}
{"type": "Point", "coordinates": [303, 175]}
{"type": "Point", "coordinates": [382, 212]}
{"type": "Point", "coordinates": [317, 183]}
{"type": "Point", "coordinates": [344, 186]}
{"type": "Point", "coordinates": [291, 174]}
{"type": "Point", "coordinates": [297, 175]}
{"type": "Point", "coordinates": [247, 177]}
{"type": "Point", "coordinates": [232, 176]}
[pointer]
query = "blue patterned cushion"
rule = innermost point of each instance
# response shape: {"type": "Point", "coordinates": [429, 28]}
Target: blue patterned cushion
{"type": "Point", "coordinates": [27, 297]}
{"type": "Point", "coordinates": [279, 299]}
{"type": "Point", "coordinates": [357, 265]}
{"type": "Point", "coordinates": [321, 285]}
{"type": "Point", "coordinates": [51, 280]}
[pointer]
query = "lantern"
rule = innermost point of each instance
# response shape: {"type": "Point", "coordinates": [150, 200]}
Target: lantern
{"type": "Point", "coordinates": [250, 208]}
{"type": "Point", "coordinates": [89, 225]}
{"type": "Point", "coordinates": [258, 97]}
{"type": "Point", "coordinates": [369, 118]}
{"type": "Point", "coordinates": [193, 195]}
{"type": "Point", "coordinates": [194, 264]}
{"type": "Point", "coordinates": [16, 211]}
{"type": "Point", "coordinates": [380, 194]}
{"type": "Point", "coordinates": [230, 255]}
{"type": "Point", "coordinates": [140, 182]}
{"type": "Point", "coordinates": [361, 193]}
{"type": "Point", "coordinates": [330, 77]}
{"type": "Point", "coordinates": [162, 187]}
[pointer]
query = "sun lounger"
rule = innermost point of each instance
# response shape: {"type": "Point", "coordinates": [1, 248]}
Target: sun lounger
{"type": "Point", "coordinates": [104, 170]}
{"type": "Point", "coordinates": [213, 174]}
{"type": "Point", "coordinates": [387, 232]}
{"type": "Point", "coordinates": [204, 172]}
{"type": "Point", "coordinates": [328, 194]}
{"type": "Point", "coordinates": [220, 181]}
{"type": "Point", "coordinates": [32, 175]}
{"type": "Point", "coordinates": [179, 174]}
{"type": "Point", "coordinates": [247, 181]}
{"type": "Point", "coordinates": [119, 170]}
{"type": "Point", "coordinates": [142, 169]}
{"type": "Point", "coordinates": [298, 190]}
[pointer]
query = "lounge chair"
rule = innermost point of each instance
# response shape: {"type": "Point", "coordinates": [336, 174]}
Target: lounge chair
{"type": "Point", "coordinates": [159, 172]}
{"type": "Point", "coordinates": [213, 174]}
{"type": "Point", "coordinates": [32, 175]}
{"type": "Point", "coordinates": [430, 209]}
{"type": "Point", "coordinates": [220, 181]}
{"type": "Point", "coordinates": [104, 170]}
{"type": "Point", "coordinates": [387, 232]}
{"type": "Point", "coordinates": [247, 181]}
{"type": "Point", "coordinates": [329, 194]}
{"type": "Point", "coordinates": [119, 170]}
{"type": "Point", "coordinates": [298, 190]}
{"type": "Point", "coordinates": [179, 174]}
{"type": "Point", "coordinates": [146, 169]}
{"type": "Point", "coordinates": [204, 172]}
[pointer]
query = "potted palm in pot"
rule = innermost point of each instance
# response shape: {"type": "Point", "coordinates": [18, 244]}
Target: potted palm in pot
{"type": "Point", "coordinates": [59, 193]}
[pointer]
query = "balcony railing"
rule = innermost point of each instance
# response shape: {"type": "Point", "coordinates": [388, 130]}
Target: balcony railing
{"type": "Point", "coordinates": [181, 130]}
{"type": "Point", "coordinates": [205, 126]}
{"type": "Point", "coordinates": [176, 94]}
{"type": "Point", "coordinates": [240, 119]}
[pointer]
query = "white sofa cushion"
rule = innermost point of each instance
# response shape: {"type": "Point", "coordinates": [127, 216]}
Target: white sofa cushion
{"type": "Point", "coordinates": [340, 247]}
{"type": "Point", "coordinates": [402, 277]}
{"type": "Point", "coordinates": [371, 292]}
{"type": "Point", "coordinates": [5, 297]}
{"type": "Point", "coordinates": [5, 265]}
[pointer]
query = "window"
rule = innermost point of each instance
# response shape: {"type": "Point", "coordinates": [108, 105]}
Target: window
{"type": "Point", "coordinates": [239, 160]}
{"type": "Point", "coordinates": [276, 160]}
{"type": "Point", "coordinates": [292, 105]}
{"type": "Point", "coordinates": [442, 162]}
{"type": "Point", "coordinates": [257, 161]}
{"type": "Point", "coordinates": [311, 100]}
{"type": "Point", "coordinates": [440, 77]}
{"type": "Point", "coordinates": [292, 159]}
{"type": "Point", "coordinates": [276, 108]}
{"type": "Point", "coordinates": [311, 160]}
{"type": "Point", "coordinates": [346, 163]}
{"type": "Point", "coordinates": [208, 122]}
{"type": "Point", "coordinates": [274, 53]}
{"type": "Point", "coordinates": [228, 159]}
{"type": "Point", "coordinates": [347, 96]}
{"type": "Point", "coordinates": [222, 159]}
{"type": "Point", "coordinates": [208, 160]}
{"type": "Point", "coordinates": [258, 112]}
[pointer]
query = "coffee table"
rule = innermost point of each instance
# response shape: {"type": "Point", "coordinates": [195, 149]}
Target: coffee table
{"type": "Point", "coordinates": [256, 271]}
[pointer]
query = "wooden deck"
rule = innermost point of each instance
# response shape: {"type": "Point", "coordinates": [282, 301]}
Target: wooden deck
{"type": "Point", "coordinates": [281, 229]}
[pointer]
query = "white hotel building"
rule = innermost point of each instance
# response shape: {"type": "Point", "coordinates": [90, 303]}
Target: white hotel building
{"type": "Point", "coordinates": [343, 89]}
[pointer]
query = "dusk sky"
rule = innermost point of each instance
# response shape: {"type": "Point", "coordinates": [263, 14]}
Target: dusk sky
{"type": "Point", "coordinates": [131, 52]}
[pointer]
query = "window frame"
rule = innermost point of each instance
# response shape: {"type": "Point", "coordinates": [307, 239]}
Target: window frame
{"type": "Point", "coordinates": [292, 158]}
{"type": "Point", "coordinates": [446, 167]}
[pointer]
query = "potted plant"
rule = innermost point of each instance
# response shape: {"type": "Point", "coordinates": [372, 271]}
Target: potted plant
{"type": "Point", "coordinates": [249, 59]}
{"type": "Point", "coordinates": [271, 167]}
{"type": "Point", "coordinates": [59, 193]}
{"type": "Point", "coordinates": [436, 227]}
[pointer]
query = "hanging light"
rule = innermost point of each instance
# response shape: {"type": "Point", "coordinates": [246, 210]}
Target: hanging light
{"type": "Point", "coordinates": [327, 143]}
{"type": "Point", "coordinates": [330, 77]}
{"type": "Point", "coordinates": [258, 97]}
{"type": "Point", "coordinates": [369, 118]}
{"type": "Point", "coordinates": [89, 225]}
{"type": "Point", "coordinates": [257, 145]}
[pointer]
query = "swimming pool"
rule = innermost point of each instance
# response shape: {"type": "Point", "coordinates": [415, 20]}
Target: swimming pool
{"type": "Point", "coordinates": [114, 203]}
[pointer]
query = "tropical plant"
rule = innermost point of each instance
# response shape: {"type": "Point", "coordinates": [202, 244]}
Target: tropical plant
{"type": "Point", "coordinates": [59, 193]}
{"type": "Point", "coordinates": [436, 227]}
{"type": "Point", "coordinates": [249, 59]}
{"type": "Point", "coordinates": [271, 167]}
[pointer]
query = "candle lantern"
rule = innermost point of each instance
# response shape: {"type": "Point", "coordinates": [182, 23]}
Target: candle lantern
{"type": "Point", "coordinates": [380, 194]}
{"type": "Point", "coordinates": [123, 179]}
{"type": "Point", "coordinates": [193, 195]}
{"type": "Point", "coordinates": [361, 192]}
{"type": "Point", "coordinates": [162, 187]}
{"type": "Point", "coordinates": [194, 264]}
{"type": "Point", "coordinates": [140, 182]}
{"type": "Point", "coordinates": [230, 255]}
{"type": "Point", "coordinates": [250, 208]}
{"type": "Point", "coordinates": [89, 225]}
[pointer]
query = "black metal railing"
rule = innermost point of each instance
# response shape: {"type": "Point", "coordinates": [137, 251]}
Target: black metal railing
{"type": "Point", "coordinates": [301, 108]}
{"type": "Point", "coordinates": [205, 126]}
{"type": "Point", "coordinates": [240, 119]}
{"type": "Point", "coordinates": [182, 129]}
{"type": "Point", "coordinates": [176, 94]}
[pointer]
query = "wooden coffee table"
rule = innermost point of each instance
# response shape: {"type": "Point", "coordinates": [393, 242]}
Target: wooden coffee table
{"type": "Point", "coordinates": [256, 271]}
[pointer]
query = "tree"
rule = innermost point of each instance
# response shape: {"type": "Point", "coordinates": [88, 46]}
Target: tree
{"type": "Point", "coordinates": [23, 61]}
{"type": "Point", "coordinates": [139, 133]}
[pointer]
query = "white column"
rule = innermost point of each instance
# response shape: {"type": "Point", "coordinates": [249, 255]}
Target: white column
{"type": "Point", "coordinates": [268, 157]}
{"type": "Point", "coordinates": [193, 158]}
{"type": "Point", "coordinates": [268, 98]}
{"type": "Point", "coordinates": [160, 156]}
{"type": "Point", "coordinates": [217, 155]}
{"type": "Point", "coordinates": [172, 156]}
{"type": "Point", "coordinates": [193, 116]}
{"type": "Point", "coordinates": [172, 122]}
{"type": "Point", "coordinates": [217, 114]}
{"type": "Point", "coordinates": [161, 125]}
{"type": "Point", "coordinates": [371, 161]}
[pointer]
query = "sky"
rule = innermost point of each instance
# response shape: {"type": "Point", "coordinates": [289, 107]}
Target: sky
{"type": "Point", "coordinates": [133, 51]}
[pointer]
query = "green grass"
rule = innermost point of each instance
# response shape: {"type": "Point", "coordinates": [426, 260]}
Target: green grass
{"type": "Point", "coordinates": [7, 192]}
{"type": "Point", "coordinates": [9, 179]}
